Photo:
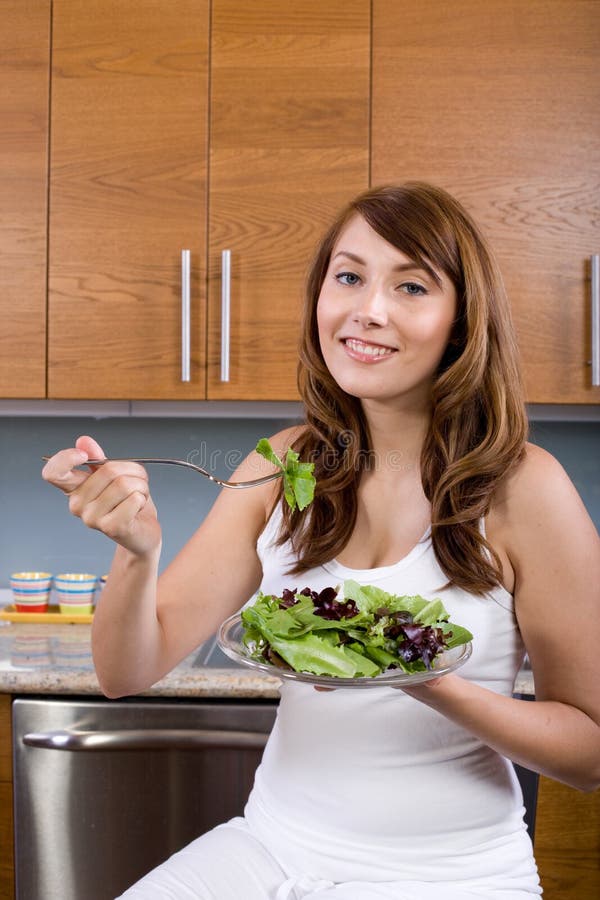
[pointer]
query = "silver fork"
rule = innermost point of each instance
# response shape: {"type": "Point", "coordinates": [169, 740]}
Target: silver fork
{"type": "Point", "coordinates": [186, 465]}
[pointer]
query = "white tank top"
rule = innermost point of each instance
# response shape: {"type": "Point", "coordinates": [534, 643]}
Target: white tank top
{"type": "Point", "coordinates": [372, 784]}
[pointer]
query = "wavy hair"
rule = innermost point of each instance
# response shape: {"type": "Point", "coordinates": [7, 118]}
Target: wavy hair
{"type": "Point", "coordinates": [478, 425]}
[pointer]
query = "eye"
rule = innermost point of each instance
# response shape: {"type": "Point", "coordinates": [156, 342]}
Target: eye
{"type": "Point", "coordinates": [413, 288]}
{"type": "Point", "coordinates": [349, 278]}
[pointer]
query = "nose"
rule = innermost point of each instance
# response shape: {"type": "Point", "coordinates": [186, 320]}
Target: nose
{"type": "Point", "coordinates": [371, 309]}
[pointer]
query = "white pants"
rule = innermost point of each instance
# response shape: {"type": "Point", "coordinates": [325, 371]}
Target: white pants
{"type": "Point", "coordinates": [229, 863]}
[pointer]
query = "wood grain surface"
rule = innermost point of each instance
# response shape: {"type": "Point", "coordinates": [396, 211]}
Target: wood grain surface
{"type": "Point", "coordinates": [24, 100]}
{"type": "Point", "coordinates": [499, 103]}
{"type": "Point", "coordinates": [289, 138]}
{"type": "Point", "coordinates": [567, 842]}
{"type": "Point", "coordinates": [128, 193]}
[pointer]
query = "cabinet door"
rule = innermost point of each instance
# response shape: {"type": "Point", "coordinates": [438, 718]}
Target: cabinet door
{"type": "Point", "coordinates": [128, 194]}
{"type": "Point", "coordinates": [289, 144]}
{"type": "Point", "coordinates": [24, 83]}
{"type": "Point", "coordinates": [499, 102]}
{"type": "Point", "coordinates": [567, 841]}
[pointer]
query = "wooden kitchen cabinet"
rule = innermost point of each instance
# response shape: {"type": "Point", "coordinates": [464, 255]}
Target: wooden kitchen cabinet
{"type": "Point", "coordinates": [567, 842]}
{"type": "Point", "coordinates": [131, 185]}
{"type": "Point", "coordinates": [499, 103]}
{"type": "Point", "coordinates": [151, 154]}
{"type": "Point", "coordinates": [128, 193]}
{"type": "Point", "coordinates": [24, 100]}
{"type": "Point", "coordinates": [289, 141]}
{"type": "Point", "coordinates": [7, 880]}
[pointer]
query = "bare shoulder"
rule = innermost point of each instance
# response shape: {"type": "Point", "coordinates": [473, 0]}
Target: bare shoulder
{"type": "Point", "coordinates": [286, 438]}
{"type": "Point", "coordinates": [254, 465]}
{"type": "Point", "coordinates": [553, 549]}
{"type": "Point", "coordinates": [539, 517]}
{"type": "Point", "coordinates": [537, 486]}
{"type": "Point", "coordinates": [280, 441]}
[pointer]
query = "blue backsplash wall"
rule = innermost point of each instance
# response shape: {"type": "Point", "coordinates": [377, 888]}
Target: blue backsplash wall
{"type": "Point", "coordinates": [37, 531]}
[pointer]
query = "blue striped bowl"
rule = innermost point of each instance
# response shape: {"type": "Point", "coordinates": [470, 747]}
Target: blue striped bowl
{"type": "Point", "coordinates": [75, 592]}
{"type": "Point", "coordinates": [31, 591]}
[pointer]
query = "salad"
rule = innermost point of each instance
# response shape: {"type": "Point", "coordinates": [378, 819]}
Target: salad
{"type": "Point", "coordinates": [360, 631]}
{"type": "Point", "coordinates": [298, 479]}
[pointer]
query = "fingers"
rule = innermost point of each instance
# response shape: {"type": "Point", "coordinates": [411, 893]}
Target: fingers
{"type": "Point", "coordinates": [419, 691]}
{"type": "Point", "coordinates": [89, 446]}
{"type": "Point", "coordinates": [117, 521]}
{"type": "Point", "coordinates": [113, 498]}
{"type": "Point", "coordinates": [94, 494]}
{"type": "Point", "coordinates": [60, 470]}
{"type": "Point", "coordinates": [106, 490]}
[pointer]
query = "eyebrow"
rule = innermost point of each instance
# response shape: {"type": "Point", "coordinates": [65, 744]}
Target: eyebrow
{"type": "Point", "coordinates": [401, 267]}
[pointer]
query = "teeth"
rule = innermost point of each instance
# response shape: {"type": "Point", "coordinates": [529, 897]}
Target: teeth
{"type": "Point", "coordinates": [367, 349]}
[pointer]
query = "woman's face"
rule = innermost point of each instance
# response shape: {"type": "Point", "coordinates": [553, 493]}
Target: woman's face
{"type": "Point", "coordinates": [384, 322]}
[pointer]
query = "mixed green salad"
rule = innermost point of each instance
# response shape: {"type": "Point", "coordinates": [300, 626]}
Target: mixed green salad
{"type": "Point", "coordinates": [298, 478]}
{"type": "Point", "coordinates": [358, 631]}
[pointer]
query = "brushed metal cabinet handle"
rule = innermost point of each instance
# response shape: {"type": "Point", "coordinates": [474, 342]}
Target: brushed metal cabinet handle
{"type": "Point", "coordinates": [145, 739]}
{"type": "Point", "coordinates": [225, 312]}
{"type": "Point", "coordinates": [185, 315]}
{"type": "Point", "coordinates": [595, 291]}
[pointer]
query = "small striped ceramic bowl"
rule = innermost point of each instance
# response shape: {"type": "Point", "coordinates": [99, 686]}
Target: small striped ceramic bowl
{"type": "Point", "coordinates": [31, 591]}
{"type": "Point", "coordinates": [75, 592]}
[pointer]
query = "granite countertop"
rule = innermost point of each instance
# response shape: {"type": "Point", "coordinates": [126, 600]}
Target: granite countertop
{"type": "Point", "coordinates": [57, 659]}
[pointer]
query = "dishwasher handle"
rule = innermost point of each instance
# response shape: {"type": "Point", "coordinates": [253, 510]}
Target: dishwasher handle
{"type": "Point", "coordinates": [146, 739]}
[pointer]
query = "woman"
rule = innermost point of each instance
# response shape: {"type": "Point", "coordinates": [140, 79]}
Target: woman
{"type": "Point", "coordinates": [425, 484]}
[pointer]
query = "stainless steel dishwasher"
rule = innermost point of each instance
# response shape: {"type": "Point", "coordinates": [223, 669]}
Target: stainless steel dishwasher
{"type": "Point", "coordinates": [106, 790]}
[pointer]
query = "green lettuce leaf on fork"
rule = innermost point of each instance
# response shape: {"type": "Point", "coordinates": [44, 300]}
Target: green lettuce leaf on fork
{"type": "Point", "coordinates": [298, 479]}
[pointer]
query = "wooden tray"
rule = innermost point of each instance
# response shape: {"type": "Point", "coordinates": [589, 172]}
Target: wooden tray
{"type": "Point", "coordinates": [53, 616]}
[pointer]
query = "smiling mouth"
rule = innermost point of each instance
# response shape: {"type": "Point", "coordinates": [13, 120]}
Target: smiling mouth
{"type": "Point", "coordinates": [372, 351]}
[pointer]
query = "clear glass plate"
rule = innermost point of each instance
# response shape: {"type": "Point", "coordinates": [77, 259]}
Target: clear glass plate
{"type": "Point", "coordinates": [230, 641]}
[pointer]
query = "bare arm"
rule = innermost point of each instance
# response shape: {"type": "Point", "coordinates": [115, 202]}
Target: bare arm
{"type": "Point", "coordinates": [143, 627]}
{"type": "Point", "coordinates": [553, 547]}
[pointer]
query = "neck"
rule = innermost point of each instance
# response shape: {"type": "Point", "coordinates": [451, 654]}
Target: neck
{"type": "Point", "coordinates": [397, 436]}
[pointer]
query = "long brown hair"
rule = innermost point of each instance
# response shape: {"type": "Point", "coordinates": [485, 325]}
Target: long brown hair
{"type": "Point", "coordinates": [478, 423]}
